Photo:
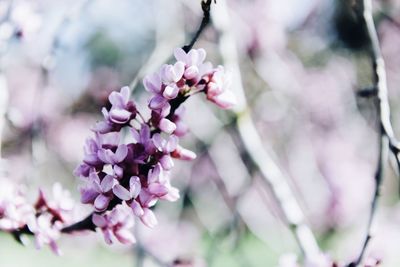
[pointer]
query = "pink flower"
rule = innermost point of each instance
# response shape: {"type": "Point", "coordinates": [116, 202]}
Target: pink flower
{"type": "Point", "coordinates": [194, 57]}
{"type": "Point", "coordinates": [46, 232]}
{"type": "Point", "coordinates": [44, 219]}
{"type": "Point", "coordinates": [117, 223]}
{"type": "Point", "coordinates": [218, 89]}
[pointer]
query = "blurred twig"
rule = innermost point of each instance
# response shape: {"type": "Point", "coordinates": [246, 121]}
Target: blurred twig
{"type": "Point", "coordinates": [253, 154]}
{"type": "Point", "coordinates": [387, 139]}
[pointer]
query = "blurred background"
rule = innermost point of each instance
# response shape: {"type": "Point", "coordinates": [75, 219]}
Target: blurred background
{"type": "Point", "coordinates": [301, 65]}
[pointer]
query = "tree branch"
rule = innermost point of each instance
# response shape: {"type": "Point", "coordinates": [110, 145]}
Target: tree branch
{"type": "Point", "coordinates": [206, 7]}
{"type": "Point", "coordinates": [254, 156]}
{"type": "Point", "coordinates": [387, 139]}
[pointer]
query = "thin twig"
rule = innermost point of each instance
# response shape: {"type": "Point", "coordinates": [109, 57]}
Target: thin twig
{"type": "Point", "coordinates": [206, 7]}
{"type": "Point", "coordinates": [254, 156]}
{"type": "Point", "coordinates": [387, 139]}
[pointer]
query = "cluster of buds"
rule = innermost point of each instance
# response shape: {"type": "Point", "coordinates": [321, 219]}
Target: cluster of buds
{"type": "Point", "coordinates": [44, 219]}
{"type": "Point", "coordinates": [127, 164]}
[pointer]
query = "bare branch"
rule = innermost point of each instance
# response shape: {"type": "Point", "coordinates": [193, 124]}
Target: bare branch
{"type": "Point", "coordinates": [206, 7]}
{"type": "Point", "coordinates": [255, 157]}
{"type": "Point", "coordinates": [387, 139]}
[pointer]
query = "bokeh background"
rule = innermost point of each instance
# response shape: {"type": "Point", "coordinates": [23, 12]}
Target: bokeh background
{"type": "Point", "coordinates": [301, 63]}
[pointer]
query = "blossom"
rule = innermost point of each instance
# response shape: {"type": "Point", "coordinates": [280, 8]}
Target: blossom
{"type": "Point", "coordinates": [218, 89]}
{"type": "Point", "coordinates": [45, 231]}
{"type": "Point", "coordinates": [116, 223]}
{"type": "Point", "coordinates": [44, 219]}
{"type": "Point", "coordinates": [14, 208]}
{"type": "Point", "coordinates": [127, 177]}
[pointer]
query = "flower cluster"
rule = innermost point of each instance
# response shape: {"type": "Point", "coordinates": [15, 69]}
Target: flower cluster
{"type": "Point", "coordinates": [44, 220]}
{"type": "Point", "coordinates": [127, 164]}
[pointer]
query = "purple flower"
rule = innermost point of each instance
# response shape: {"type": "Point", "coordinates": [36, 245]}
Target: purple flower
{"type": "Point", "coordinates": [116, 223]}
{"type": "Point", "coordinates": [128, 194]}
{"type": "Point", "coordinates": [109, 157]}
{"type": "Point", "coordinates": [122, 109]}
{"type": "Point", "coordinates": [98, 192]}
{"type": "Point", "coordinates": [135, 172]}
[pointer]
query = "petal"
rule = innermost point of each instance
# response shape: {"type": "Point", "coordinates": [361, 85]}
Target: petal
{"type": "Point", "coordinates": [171, 144]}
{"type": "Point", "coordinates": [165, 110]}
{"type": "Point", "coordinates": [94, 177]}
{"type": "Point", "coordinates": [173, 194]}
{"type": "Point", "coordinates": [125, 236]}
{"type": "Point", "coordinates": [201, 55]}
{"type": "Point", "coordinates": [158, 189]}
{"type": "Point", "coordinates": [213, 89]}
{"type": "Point", "coordinates": [158, 141]}
{"type": "Point", "coordinates": [121, 153]}
{"type": "Point", "coordinates": [166, 162]}
{"type": "Point", "coordinates": [193, 56]}
{"type": "Point", "coordinates": [91, 159]}
{"type": "Point", "coordinates": [144, 132]}
{"type": "Point", "coordinates": [148, 218]}
{"type": "Point", "coordinates": [108, 236]}
{"type": "Point", "coordinates": [183, 153]}
{"type": "Point", "coordinates": [180, 54]}
{"type": "Point", "coordinates": [181, 128]}
{"type": "Point", "coordinates": [225, 100]}
{"type": "Point", "coordinates": [179, 69]}
{"type": "Point", "coordinates": [110, 139]}
{"type": "Point", "coordinates": [205, 68]}
{"type": "Point", "coordinates": [88, 195]}
{"type": "Point", "coordinates": [102, 127]}
{"type": "Point", "coordinates": [121, 192]}
{"type": "Point", "coordinates": [82, 170]}
{"type": "Point", "coordinates": [120, 116]}
{"type": "Point", "coordinates": [125, 93]}
{"type": "Point", "coordinates": [135, 135]}
{"type": "Point", "coordinates": [118, 171]}
{"type": "Point", "coordinates": [157, 102]}
{"type": "Point", "coordinates": [99, 220]}
{"type": "Point", "coordinates": [116, 99]}
{"type": "Point", "coordinates": [107, 183]}
{"type": "Point", "coordinates": [152, 83]}
{"type": "Point", "coordinates": [171, 92]}
{"type": "Point", "coordinates": [134, 186]}
{"type": "Point", "coordinates": [167, 126]}
{"type": "Point", "coordinates": [147, 199]}
{"type": "Point", "coordinates": [136, 208]}
{"type": "Point", "coordinates": [105, 155]}
{"type": "Point", "coordinates": [191, 72]}
{"type": "Point", "coordinates": [53, 246]}
{"type": "Point", "coordinates": [101, 202]}
{"type": "Point", "coordinates": [154, 174]}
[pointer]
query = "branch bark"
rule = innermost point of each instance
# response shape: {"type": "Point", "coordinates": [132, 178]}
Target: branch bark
{"type": "Point", "coordinates": [387, 139]}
